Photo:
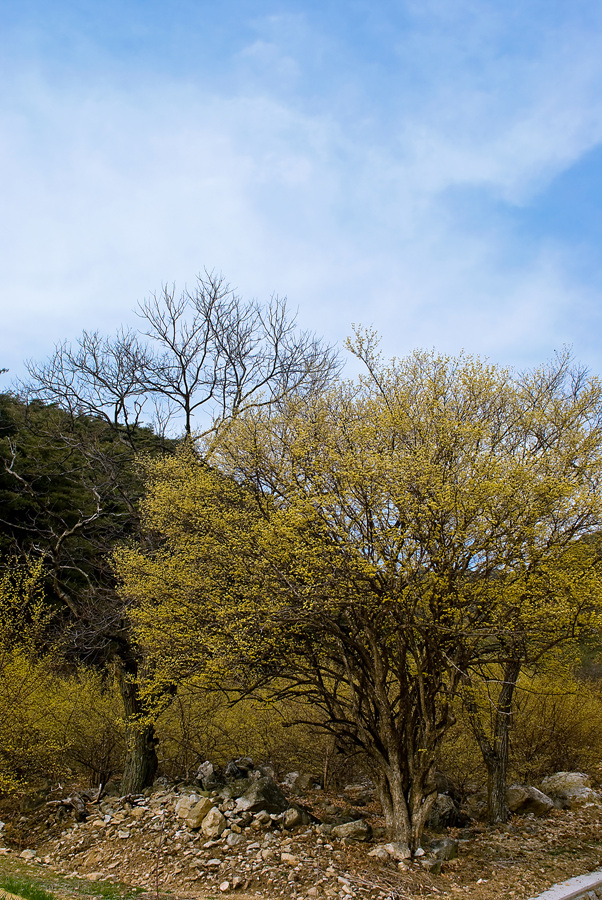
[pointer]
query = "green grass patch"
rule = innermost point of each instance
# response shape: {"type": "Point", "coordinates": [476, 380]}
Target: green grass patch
{"type": "Point", "coordinates": [35, 883]}
{"type": "Point", "coordinates": [23, 888]}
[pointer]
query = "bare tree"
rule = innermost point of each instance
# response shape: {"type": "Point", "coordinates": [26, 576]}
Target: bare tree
{"type": "Point", "coordinates": [199, 359]}
{"type": "Point", "coordinates": [215, 354]}
{"type": "Point", "coordinates": [99, 377]}
{"type": "Point", "coordinates": [202, 356]}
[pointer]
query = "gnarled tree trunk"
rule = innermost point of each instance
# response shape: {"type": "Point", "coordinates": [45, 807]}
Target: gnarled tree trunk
{"type": "Point", "coordinates": [140, 764]}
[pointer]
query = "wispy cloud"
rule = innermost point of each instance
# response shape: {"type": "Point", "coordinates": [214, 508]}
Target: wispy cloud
{"type": "Point", "coordinates": [367, 178]}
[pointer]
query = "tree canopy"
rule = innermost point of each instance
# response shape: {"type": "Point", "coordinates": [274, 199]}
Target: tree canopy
{"type": "Point", "coordinates": [374, 545]}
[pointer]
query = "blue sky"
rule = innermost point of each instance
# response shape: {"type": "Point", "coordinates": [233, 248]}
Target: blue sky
{"type": "Point", "coordinates": [429, 167]}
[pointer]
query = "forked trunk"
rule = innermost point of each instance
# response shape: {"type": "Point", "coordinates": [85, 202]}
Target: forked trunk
{"type": "Point", "coordinates": [406, 810]}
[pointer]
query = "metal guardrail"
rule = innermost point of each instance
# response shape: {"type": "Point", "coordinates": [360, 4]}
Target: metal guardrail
{"type": "Point", "coordinates": [583, 887]}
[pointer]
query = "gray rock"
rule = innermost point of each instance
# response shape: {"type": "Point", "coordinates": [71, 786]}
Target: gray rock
{"type": "Point", "coordinates": [431, 864]}
{"type": "Point", "coordinates": [397, 850]}
{"type": "Point", "coordinates": [570, 789]}
{"type": "Point", "coordinates": [294, 817]}
{"type": "Point", "coordinates": [213, 824]}
{"type": "Point", "coordinates": [197, 813]}
{"type": "Point", "coordinates": [359, 794]}
{"type": "Point", "coordinates": [446, 848]}
{"type": "Point", "coordinates": [522, 798]}
{"type": "Point", "coordinates": [353, 831]}
{"type": "Point", "coordinates": [234, 840]}
{"type": "Point", "coordinates": [185, 804]}
{"type": "Point", "coordinates": [444, 814]}
{"type": "Point", "coordinates": [262, 794]}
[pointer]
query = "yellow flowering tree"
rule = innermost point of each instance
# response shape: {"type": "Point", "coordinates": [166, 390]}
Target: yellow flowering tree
{"type": "Point", "coordinates": [376, 546]}
{"type": "Point", "coordinates": [28, 747]}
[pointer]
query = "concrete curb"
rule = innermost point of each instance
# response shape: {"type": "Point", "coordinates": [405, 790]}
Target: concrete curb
{"type": "Point", "coordinates": [583, 887]}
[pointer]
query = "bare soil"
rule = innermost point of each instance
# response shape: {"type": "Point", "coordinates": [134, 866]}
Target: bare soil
{"type": "Point", "coordinates": [519, 860]}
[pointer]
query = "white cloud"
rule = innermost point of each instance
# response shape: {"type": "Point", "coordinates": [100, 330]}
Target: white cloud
{"type": "Point", "coordinates": [111, 190]}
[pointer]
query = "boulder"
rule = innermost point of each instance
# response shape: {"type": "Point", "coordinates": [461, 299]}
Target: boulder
{"type": "Point", "coordinates": [353, 831]}
{"type": "Point", "coordinates": [522, 798]}
{"type": "Point", "coordinates": [263, 794]}
{"type": "Point", "coordinates": [570, 789]}
{"type": "Point", "coordinates": [475, 806]}
{"type": "Point", "coordinates": [447, 848]}
{"type": "Point", "coordinates": [295, 817]}
{"type": "Point", "coordinates": [445, 814]}
{"type": "Point", "coordinates": [197, 813]}
{"type": "Point", "coordinates": [359, 794]}
{"type": "Point", "coordinates": [239, 768]}
{"type": "Point", "coordinates": [210, 776]}
{"type": "Point", "coordinates": [431, 864]}
{"type": "Point", "coordinates": [185, 804]}
{"type": "Point", "coordinates": [397, 850]}
{"type": "Point", "coordinates": [213, 824]}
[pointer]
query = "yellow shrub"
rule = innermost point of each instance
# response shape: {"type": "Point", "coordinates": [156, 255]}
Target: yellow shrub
{"type": "Point", "coordinates": [50, 723]}
{"type": "Point", "coordinates": [202, 724]}
{"type": "Point", "coordinates": [557, 727]}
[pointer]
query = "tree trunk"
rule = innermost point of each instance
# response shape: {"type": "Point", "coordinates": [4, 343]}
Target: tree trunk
{"type": "Point", "coordinates": [497, 765]}
{"type": "Point", "coordinates": [495, 749]}
{"type": "Point", "coordinates": [497, 808]}
{"type": "Point", "coordinates": [406, 810]}
{"type": "Point", "coordinates": [140, 764]}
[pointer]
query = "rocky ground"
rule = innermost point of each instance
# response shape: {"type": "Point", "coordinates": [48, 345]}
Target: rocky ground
{"type": "Point", "coordinates": [200, 844]}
